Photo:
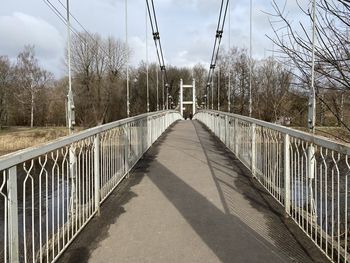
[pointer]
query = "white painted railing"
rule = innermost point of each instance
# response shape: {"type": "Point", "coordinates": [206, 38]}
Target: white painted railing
{"type": "Point", "coordinates": [306, 174]}
{"type": "Point", "coordinates": [50, 192]}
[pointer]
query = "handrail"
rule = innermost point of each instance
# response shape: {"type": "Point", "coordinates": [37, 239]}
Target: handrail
{"type": "Point", "coordinates": [11, 159]}
{"type": "Point", "coordinates": [50, 192]}
{"type": "Point", "coordinates": [308, 175]}
{"type": "Point", "coordinates": [341, 147]}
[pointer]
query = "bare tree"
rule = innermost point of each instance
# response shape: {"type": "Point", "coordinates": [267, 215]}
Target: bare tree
{"type": "Point", "coordinates": [241, 78]}
{"type": "Point", "coordinates": [332, 49]}
{"type": "Point", "coordinates": [116, 60]}
{"type": "Point", "coordinates": [30, 77]}
{"type": "Point", "coordinates": [199, 73]}
{"type": "Point", "coordinates": [5, 82]}
{"type": "Point", "coordinates": [273, 89]}
{"type": "Point", "coordinates": [83, 49]}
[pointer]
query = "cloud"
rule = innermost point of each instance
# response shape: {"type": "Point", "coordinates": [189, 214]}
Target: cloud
{"type": "Point", "coordinates": [187, 27]}
{"type": "Point", "coordinates": [138, 50]}
{"type": "Point", "coordinates": [19, 29]}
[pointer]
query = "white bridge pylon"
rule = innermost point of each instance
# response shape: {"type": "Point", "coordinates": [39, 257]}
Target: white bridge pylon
{"type": "Point", "coordinates": [193, 102]}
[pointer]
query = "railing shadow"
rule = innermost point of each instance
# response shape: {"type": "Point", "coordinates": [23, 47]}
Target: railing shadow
{"type": "Point", "coordinates": [98, 228]}
{"type": "Point", "coordinates": [223, 233]}
{"type": "Point", "coordinates": [232, 235]}
{"type": "Point", "coordinates": [278, 229]}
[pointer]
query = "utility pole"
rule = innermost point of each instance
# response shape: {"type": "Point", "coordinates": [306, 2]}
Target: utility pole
{"type": "Point", "coordinates": [147, 66]}
{"type": "Point", "coordinates": [312, 120]}
{"type": "Point", "coordinates": [71, 123]}
{"type": "Point", "coordinates": [312, 95]}
{"type": "Point", "coordinates": [127, 60]}
{"type": "Point", "coordinates": [229, 50]}
{"type": "Point", "coordinates": [250, 58]}
{"type": "Point", "coordinates": [70, 104]}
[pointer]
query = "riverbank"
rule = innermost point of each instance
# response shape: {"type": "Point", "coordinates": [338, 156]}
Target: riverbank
{"type": "Point", "coordinates": [17, 138]}
{"type": "Point", "coordinates": [338, 134]}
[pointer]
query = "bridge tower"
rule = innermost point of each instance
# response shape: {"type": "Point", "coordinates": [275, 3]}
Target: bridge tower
{"type": "Point", "coordinates": [193, 102]}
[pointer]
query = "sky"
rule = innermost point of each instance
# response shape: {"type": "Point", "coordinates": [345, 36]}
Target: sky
{"type": "Point", "coordinates": [187, 28]}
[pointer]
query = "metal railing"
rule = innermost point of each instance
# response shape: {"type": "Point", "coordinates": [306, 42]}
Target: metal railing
{"type": "Point", "coordinates": [306, 174]}
{"type": "Point", "coordinates": [50, 192]}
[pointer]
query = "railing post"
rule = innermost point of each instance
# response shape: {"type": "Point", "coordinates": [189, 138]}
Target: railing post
{"type": "Point", "coordinates": [217, 131]}
{"type": "Point", "coordinates": [287, 174]}
{"type": "Point", "coordinates": [235, 132]}
{"type": "Point", "coordinates": [151, 128]}
{"type": "Point", "coordinates": [209, 121]}
{"type": "Point", "coordinates": [229, 128]}
{"type": "Point", "coordinates": [226, 132]}
{"type": "Point", "coordinates": [73, 178]}
{"type": "Point", "coordinates": [311, 176]}
{"type": "Point", "coordinates": [126, 148]}
{"type": "Point", "coordinates": [311, 161]}
{"type": "Point", "coordinates": [181, 98]}
{"type": "Point", "coordinates": [193, 97]}
{"type": "Point", "coordinates": [253, 157]}
{"type": "Point", "coordinates": [149, 133]}
{"type": "Point", "coordinates": [158, 125]}
{"type": "Point", "coordinates": [97, 172]}
{"type": "Point", "coordinates": [12, 214]}
{"type": "Point", "coordinates": [213, 122]}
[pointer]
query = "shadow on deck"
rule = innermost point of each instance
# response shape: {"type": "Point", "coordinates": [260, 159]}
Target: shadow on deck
{"type": "Point", "coordinates": [190, 200]}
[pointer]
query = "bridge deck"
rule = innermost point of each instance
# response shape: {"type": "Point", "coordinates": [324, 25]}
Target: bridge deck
{"type": "Point", "coordinates": [190, 200]}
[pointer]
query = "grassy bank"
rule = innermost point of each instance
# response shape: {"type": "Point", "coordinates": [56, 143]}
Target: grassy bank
{"type": "Point", "coordinates": [17, 138]}
{"type": "Point", "coordinates": [338, 134]}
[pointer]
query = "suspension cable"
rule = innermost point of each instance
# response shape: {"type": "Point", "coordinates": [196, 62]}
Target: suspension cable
{"type": "Point", "coordinates": [218, 37]}
{"type": "Point", "coordinates": [156, 37]}
{"type": "Point", "coordinates": [75, 31]}
{"type": "Point", "coordinates": [82, 26]}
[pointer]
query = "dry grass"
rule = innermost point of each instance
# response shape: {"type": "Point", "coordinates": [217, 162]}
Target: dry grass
{"type": "Point", "coordinates": [338, 134]}
{"type": "Point", "coordinates": [17, 138]}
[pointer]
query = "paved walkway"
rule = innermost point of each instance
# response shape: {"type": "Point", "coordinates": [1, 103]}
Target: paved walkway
{"type": "Point", "coordinates": [190, 200]}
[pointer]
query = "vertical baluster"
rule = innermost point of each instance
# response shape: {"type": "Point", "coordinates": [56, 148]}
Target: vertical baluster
{"type": "Point", "coordinates": [346, 207]}
{"type": "Point", "coordinates": [97, 172]}
{"type": "Point", "coordinates": [286, 174]}
{"type": "Point", "coordinates": [253, 149]}
{"type": "Point", "coordinates": [12, 214]}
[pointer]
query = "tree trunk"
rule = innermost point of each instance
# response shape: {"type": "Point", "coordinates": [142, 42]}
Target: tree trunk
{"type": "Point", "coordinates": [32, 111]}
{"type": "Point", "coordinates": [323, 110]}
{"type": "Point", "coordinates": [341, 109]}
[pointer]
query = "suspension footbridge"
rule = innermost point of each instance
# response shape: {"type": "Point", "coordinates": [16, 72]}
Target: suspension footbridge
{"type": "Point", "coordinates": [155, 187]}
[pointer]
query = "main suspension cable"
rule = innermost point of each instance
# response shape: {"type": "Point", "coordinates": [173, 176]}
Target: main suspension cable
{"type": "Point", "coordinates": [217, 42]}
{"type": "Point", "coordinates": [156, 37]}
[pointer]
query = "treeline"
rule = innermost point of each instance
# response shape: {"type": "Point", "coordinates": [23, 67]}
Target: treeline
{"type": "Point", "coordinates": [332, 49]}
{"type": "Point", "coordinates": [30, 96]}
{"type": "Point", "coordinates": [26, 92]}
{"type": "Point", "coordinates": [276, 96]}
